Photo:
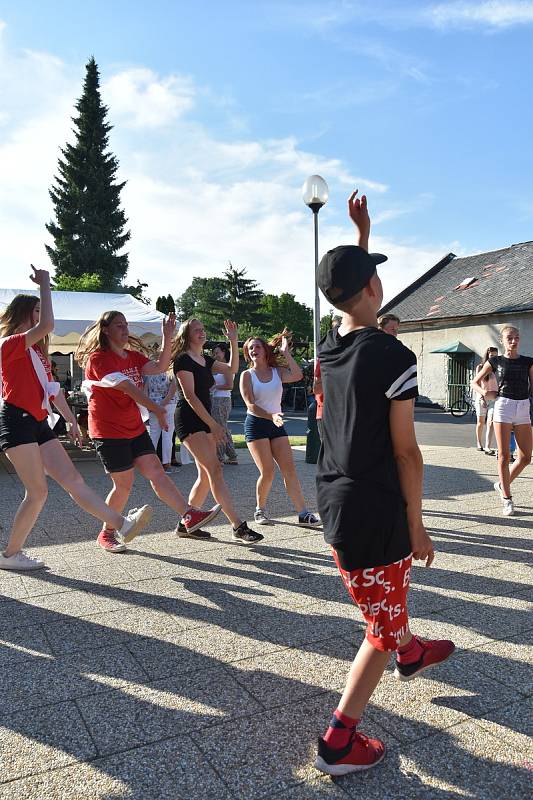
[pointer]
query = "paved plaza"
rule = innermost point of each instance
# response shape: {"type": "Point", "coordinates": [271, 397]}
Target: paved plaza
{"type": "Point", "coordinates": [185, 669]}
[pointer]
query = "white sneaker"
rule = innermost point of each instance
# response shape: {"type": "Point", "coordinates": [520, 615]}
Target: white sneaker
{"type": "Point", "coordinates": [260, 516]}
{"type": "Point", "coordinates": [136, 520]}
{"type": "Point", "coordinates": [309, 520]}
{"type": "Point", "coordinates": [498, 488]}
{"type": "Point", "coordinates": [21, 561]}
{"type": "Point", "coordinates": [508, 507]}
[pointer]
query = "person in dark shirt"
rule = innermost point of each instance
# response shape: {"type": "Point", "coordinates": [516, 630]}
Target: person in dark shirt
{"type": "Point", "coordinates": [514, 374]}
{"type": "Point", "coordinates": [195, 425]}
{"type": "Point", "coordinates": [369, 488]}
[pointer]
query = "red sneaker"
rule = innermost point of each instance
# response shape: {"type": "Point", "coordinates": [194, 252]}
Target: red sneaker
{"type": "Point", "coordinates": [194, 518]}
{"type": "Point", "coordinates": [434, 651]}
{"type": "Point", "coordinates": [108, 541]}
{"type": "Point", "coordinates": [360, 753]}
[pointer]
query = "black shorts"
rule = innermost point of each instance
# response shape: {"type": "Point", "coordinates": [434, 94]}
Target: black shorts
{"type": "Point", "coordinates": [187, 421]}
{"type": "Point", "coordinates": [18, 426]}
{"type": "Point", "coordinates": [259, 428]}
{"type": "Point", "coordinates": [118, 455]}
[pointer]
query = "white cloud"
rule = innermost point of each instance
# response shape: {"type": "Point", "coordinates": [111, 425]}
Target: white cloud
{"type": "Point", "coordinates": [139, 98]}
{"type": "Point", "coordinates": [493, 14]}
{"type": "Point", "coordinates": [195, 200]}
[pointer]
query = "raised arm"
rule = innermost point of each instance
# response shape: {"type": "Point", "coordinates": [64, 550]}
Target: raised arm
{"type": "Point", "coordinates": [411, 472]}
{"type": "Point", "coordinates": [292, 372]}
{"type": "Point", "coordinates": [46, 317]}
{"type": "Point", "coordinates": [162, 362]}
{"type": "Point", "coordinates": [358, 213]}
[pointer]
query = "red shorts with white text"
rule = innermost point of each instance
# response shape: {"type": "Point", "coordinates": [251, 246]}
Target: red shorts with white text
{"type": "Point", "coordinates": [381, 594]}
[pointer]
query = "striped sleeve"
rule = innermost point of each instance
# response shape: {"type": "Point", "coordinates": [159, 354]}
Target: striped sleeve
{"type": "Point", "coordinates": [402, 382]}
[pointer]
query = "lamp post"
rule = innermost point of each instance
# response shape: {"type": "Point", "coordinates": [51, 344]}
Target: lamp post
{"type": "Point", "coordinates": [315, 195]}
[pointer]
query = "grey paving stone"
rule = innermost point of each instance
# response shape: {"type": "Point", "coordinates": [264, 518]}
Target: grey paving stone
{"type": "Point", "coordinates": [513, 725]}
{"type": "Point", "coordinates": [508, 662]}
{"type": "Point", "coordinates": [171, 770]}
{"type": "Point", "coordinates": [42, 739]}
{"type": "Point", "coordinates": [18, 644]}
{"type": "Point", "coordinates": [296, 673]}
{"type": "Point", "coordinates": [135, 715]}
{"type": "Point", "coordinates": [442, 697]}
{"type": "Point", "coordinates": [464, 761]}
{"type": "Point", "coordinates": [267, 754]}
{"type": "Point", "coordinates": [44, 680]}
{"type": "Point", "coordinates": [103, 630]}
{"type": "Point", "coordinates": [198, 649]}
{"type": "Point", "coordinates": [12, 587]}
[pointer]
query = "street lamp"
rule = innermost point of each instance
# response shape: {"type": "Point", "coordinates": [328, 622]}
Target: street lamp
{"type": "Point", "coordinates": [315, 195]}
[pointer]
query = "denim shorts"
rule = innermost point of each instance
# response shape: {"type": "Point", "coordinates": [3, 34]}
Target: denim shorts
{"type": "Point", "coordinates": [259, 428]}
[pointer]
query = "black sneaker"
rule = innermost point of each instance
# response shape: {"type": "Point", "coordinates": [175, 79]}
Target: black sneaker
{"type": "Point", "coordinates": [246, 535]}
{"type": "Point", "coordinates": [183, 533]}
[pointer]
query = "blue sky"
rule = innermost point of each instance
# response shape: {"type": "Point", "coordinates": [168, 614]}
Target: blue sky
{"type": "Point", "coordinates": [222, 110]}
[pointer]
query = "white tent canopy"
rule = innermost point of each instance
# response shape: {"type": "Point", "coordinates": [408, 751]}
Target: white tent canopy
{"type": "Point", "coordinates": [75, 311]}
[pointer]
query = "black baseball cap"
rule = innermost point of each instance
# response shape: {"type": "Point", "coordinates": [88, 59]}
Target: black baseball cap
{"type": "Point", "coordinates": [346, 270]}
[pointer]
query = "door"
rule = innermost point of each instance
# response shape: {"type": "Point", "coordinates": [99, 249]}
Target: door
{"type": "Point", "coordinates": [460, 369]}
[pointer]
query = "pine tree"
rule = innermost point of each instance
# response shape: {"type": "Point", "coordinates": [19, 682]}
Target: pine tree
{"type": "Point", "coordinates": [241, 300]}
{"type": "Point", "coordinates": [89, 231]}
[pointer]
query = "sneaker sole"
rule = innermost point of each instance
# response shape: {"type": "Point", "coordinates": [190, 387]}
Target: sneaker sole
{"type": "Point", "coordinates": [261, 521]}
{"type": "Point", "coordinates": [399, 677]}
{"type": "Point", "coordinates": [120, 549]}
{"type": "Point", "coordinates": [141, 523]}
{"type": "Point", "coordinates": [498, 490]}
{"type": "Point", "coordinates": [193, 535]}
{"type": "Point", "coordinates": [22, 569]}
{"type": "Point", "coordinates": [246, 544]}
{"type": "Point", "coordinates": [310, 524]}
{"type": "Point", "coordinates": [205, 520]}
{"type": "Point", "coordinates": [345, 769]}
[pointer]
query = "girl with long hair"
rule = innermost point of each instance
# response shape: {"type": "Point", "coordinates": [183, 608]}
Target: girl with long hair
{"type": "Point", "coordinates": [514, 374]}
{"type": "Point", "coordinates": [221, 404]}
{"type": "Point", "coordinates": [270, 366]}
{"type": "Point", "coordinates": [26, 436]}
{"type": "Point", "coordinates": [194, 422]}
{"type": "Point", "coordinates": [484, 402]}
{"type": "Point", "coordinates": [115, 366]}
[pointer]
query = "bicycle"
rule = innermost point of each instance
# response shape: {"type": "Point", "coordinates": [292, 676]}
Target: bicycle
{"type": "Point", "coordinates": [463, 405]}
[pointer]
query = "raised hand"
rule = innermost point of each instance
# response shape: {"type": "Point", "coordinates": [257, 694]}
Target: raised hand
{"type": "Point", "coordinates": [168, 326]}
{"type": "Point", "coordinates": [40, 276]}
{"type": "Point", "coordinates": [230, 330]}
{"type": "Point", "coordinates": [358, 213]}
{"type": "Point", "coordinates": [285, 346]}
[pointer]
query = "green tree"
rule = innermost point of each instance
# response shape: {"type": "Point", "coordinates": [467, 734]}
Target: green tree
{"type": "Point", "coordinates": [199, 300]}
{"type": "Point", "coordinates": [327, 321]}
{"type": "Point", "coordinates": [241, 300]}
{"type": "Point", "coordinates": [284, 309]}
{"type": "Point", "coordinates": [89, 228]}
{"type": "Point", "coordinates": [84, 283]}
{"type": "Point", "coordinates": [166, 304]}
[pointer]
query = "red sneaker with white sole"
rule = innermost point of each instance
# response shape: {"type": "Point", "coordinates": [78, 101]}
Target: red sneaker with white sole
{"type": "Point", "coordinates": [360, 753]}
{"type": "Point", "coordinates": [108, 541]}
{"type": "Point", "coordinates": [434, 651]}
{"type": "Point", "coordinates": [194, 518]}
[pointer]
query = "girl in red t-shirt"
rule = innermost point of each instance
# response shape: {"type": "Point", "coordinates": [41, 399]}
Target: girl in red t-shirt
{"type": "Point", "coordinates": [114, 370]}
{"type": "Point", "coordinates": [25, 435]}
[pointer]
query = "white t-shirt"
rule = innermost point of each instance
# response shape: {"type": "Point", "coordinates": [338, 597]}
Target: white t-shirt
{"type": "Point", "coordinates": [220, 380]}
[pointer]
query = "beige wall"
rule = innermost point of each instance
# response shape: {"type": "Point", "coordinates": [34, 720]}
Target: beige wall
{"type": "Point", "coordinates": [480, 333]}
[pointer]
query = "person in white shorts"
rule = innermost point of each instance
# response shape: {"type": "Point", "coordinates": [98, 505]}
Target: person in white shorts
{"type": "Point", "coordinates": [514, 374]}
{"type": "Point", "coordinates": [485, 398]}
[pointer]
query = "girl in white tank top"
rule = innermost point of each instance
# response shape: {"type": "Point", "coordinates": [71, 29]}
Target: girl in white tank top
{"type": "Point", "coordinates": [261, 388]}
